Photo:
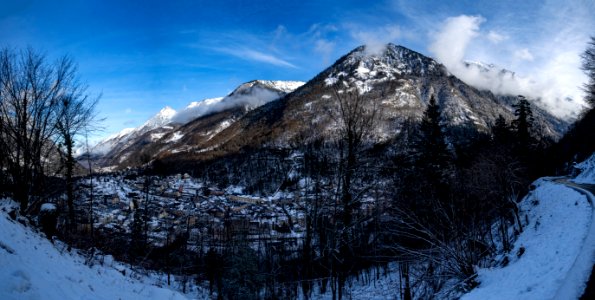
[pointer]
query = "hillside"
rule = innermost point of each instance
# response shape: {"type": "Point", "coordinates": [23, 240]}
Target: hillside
{"type": "Point", "coordinates": [163, 133]}
{"type": "Point", "coordinates": [35, 268]}
{"type": "Point", "coordinates": [552, 257]}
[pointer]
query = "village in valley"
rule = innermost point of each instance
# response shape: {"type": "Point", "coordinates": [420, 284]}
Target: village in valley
{"type": "Point", "coordinates": [180, 205]}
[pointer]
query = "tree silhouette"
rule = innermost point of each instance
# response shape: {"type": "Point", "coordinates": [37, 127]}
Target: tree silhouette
{"type": "Point", "coordinates": [76, 113]}
{"type": "Point", "coordinates": [523, 123]}
{"type": "Point", "coordinates": [434, 155]}
{"type": "Point", "coordinates": [588, 60]}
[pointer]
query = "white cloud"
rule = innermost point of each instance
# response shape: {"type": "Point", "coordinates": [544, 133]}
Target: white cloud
{"type": "Point", "coordinates": [375, 40]}
{"type": "Point", "coordinates": [451, 42]}
{"type": "Point", "coordinates": [524, 54]}
{"type": "Point", "coordinates": [128, 111]}
{"type": "Point", "coordinates": [496, 37]}
{"type": "Point", "coordinates": [253, 55]}
{"type": "Point", "coordinates": [258, 96]}
{"type": "Point", "coordinates": [549, 72]}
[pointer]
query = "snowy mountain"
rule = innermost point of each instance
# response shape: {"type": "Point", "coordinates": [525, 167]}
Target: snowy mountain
{"type": "Point", "coordinates": [162, 118]}
{"type": "Point", "coordinates": [110, 142]}
{"type": "Point", "coordinates": [195, 109]}
{"type": "Point", "coordinates": [486, 68]}
{"type": "Point", "coordinates": [117, 148]}
{"type": "Point", "coordinates": [251, 94]}
{"type": "Point", "coordinates": [397, 83]}
{"type": "Point", "coordinates": [413, 77]}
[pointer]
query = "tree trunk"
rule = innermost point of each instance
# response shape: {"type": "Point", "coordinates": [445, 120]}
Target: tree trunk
{"type": "Point", "coordinates": [69, 181]}
{"type": "Point", "coordinates": [405, 274]}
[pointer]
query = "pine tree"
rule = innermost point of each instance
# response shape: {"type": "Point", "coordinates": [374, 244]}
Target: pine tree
{"type": "Point", "coordinates": [501, 131]}
{"type": "Point", "coordinates": [523, 123]}
{"type": "Point", "coordinates": [435, 157]}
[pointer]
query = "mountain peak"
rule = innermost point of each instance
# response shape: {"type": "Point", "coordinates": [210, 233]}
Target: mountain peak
{"type": "Point", "coordinates": [364, 68]}
{"type": "Point", "coordinates": [163, 117]}
{"type": "Point", "coordinates": [166, 111]}
{"type": "Point", "coordinates": [272, 85]}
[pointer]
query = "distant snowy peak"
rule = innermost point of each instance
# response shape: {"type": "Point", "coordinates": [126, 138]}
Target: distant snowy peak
{"type": "Point", "coordinates": [106, 145]}
{"type": "Point", "coordinates": [253, 94]}
{"type": "Point", "coordinates": [163, 117]}
{"type": "Point", "coordinates": [284, 87]}
{"type": "Point", "coordinates": [121, 134]}
{"type": "Point", "coordinates": [205, 102]}
{"type": "Point", "coordinates": [248, 95]}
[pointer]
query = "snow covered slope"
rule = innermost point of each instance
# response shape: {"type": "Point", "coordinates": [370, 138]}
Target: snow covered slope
{"type": "Point", "coordinates": [588, 171]}
{"type": "Point", "coordinates": [109, 143]}
{"type": "Point", "coordinates": [252, 94]}
{"type": "Point", "coordinates": [33, 268]}
{"type": "Point", "coordinates": [162, 118]}
{"type": "Point", "coordinates": [552, 257]}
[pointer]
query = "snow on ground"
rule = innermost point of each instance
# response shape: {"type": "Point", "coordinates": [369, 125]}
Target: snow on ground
{"type": "Point", "coordinates": [377, 284]}
{"type": "Point", "coordinates": [546, 252]}
{"type": "Point", "coordinates": [588, 171]}
{"type": "Point", "coordinates": [156, 136]}
{"type": "Point", "coordinates": [175, 137]}
{"type": "Point", "coordinates": [33, 268]}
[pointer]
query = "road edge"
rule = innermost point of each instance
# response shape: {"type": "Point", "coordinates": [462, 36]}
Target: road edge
{"type": "Point", "coordinates": [580, 271]}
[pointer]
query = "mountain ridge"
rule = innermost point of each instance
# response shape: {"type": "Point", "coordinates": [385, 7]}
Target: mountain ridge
{"type": "Point", "coordinates": [397, 81]}
{"type": "Point", "coordinates": [247, 96]}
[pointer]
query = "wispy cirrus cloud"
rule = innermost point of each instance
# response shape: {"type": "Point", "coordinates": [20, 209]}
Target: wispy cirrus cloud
{"type": "Point", "coordinates": [257, 56]}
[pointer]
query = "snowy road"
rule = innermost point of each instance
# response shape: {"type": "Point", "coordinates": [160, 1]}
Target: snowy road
{"type": "Point", "coordinates": [552, 257]}
{"type": "Point", "coordinates": [574, 284]}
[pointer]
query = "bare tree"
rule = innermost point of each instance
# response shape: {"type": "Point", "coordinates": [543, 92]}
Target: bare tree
{"type": "Point", "coordinates": [76, 113]}
{"type": "Point", "coordinates": [356, 118]}
{"type": "Point", "coordinates": [30, 90]}
{"type": "Point", "coordinates": [35, 94]}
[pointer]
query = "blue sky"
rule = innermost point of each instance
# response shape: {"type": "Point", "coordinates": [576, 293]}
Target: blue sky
{"type": "Point", "coordinates": [144, 55]}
